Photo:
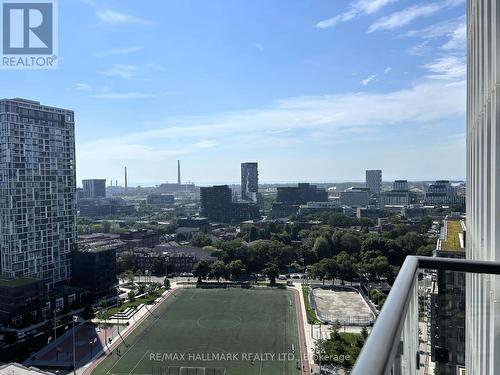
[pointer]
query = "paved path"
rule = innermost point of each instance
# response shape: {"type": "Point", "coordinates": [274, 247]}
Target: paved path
{"type": "Point", "coordinates": [307, 340]}
{"type": "Point", "coordinates": [306, 369]}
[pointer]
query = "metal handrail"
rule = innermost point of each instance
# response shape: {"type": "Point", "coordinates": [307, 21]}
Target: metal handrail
{"type": "Point", "coordinates": [380, 349]}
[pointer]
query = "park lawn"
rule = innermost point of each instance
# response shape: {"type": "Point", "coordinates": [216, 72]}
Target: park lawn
{"type": "Point", "coordinates": [311, 313]}
{"type": "Point", "coordinates": [217, 329]}
{"type": "Point", "coordinates": [350, 337]}
{"type": "Point", "coordinates": [138, 301]}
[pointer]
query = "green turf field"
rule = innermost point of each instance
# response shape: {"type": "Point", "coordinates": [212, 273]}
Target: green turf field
{"type": "Point", "coordinates": [217, 329]}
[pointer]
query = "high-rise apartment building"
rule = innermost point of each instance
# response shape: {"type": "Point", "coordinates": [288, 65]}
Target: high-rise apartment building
{"type": "Point", "coordinates": [374, 180]}
{"type": "Point", "coordinates": [94, 188]}
{"type": "Point", "coordinates": [483, 185]}
{"type": "Point", "coordinates": [37, 191]}
{"type": "Point", "coordinates": [249, 181]}
{"type": "Point", "coordinates": [216, 203]}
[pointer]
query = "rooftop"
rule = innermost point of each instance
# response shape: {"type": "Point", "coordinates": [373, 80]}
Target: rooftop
{"type": "Point", "coordinates": [452, 241]}
{"type": "Point", "coordinates": [17, 369]}
{"type": "Point", "coordinates": [20, 281]}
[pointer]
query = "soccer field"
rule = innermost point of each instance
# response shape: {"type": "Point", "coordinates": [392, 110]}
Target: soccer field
{"type": "Point", "coordinates": [224, 331]}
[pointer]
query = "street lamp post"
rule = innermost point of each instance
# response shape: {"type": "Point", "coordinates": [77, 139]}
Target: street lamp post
{"type": "Point", "coordinates": [320, 348]}
{"type": "Point", "coordinates": [75, 318]}
{"type": "Point", "coordinates": [167, 258]}
{"type": "Point", "coordinates": [55, 325]}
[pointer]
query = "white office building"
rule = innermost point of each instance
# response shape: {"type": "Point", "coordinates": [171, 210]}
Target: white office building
{"type": "Point", "coordinates": [483, 185]}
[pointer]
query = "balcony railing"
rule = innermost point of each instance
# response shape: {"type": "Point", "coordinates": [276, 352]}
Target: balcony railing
{"type": "Point", "coordinates": [393, 345]}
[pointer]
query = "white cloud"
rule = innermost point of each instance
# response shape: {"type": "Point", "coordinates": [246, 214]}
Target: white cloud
{"type": "Point", "coordinates": [82, 87]}
{"type": "Point", "coordinates": [387, 70]}
{"type": "Point", "coordinates": [121, 70]}
{"type": "Point", "coordinates": [404, 17]}
{"type": "Point", "coordinates": [449, 68]}
{"type": "Point", "coordinates": [284, 126]}
{"type": "Point", "coordinates": [458, 38]}
{"type": "Point", "coordinates": [427, 101]}
{"type": "Point", "coordinates": [454, 30]}
{"type": "Point", "coordinates": [367, 80]}
{"type": "Point", "coordinates": [114, 17]}
{"type": "Point", "coordinates": [206, 144]}
{"type": "Point", "coordinates": [124, 95]}
{"type": "Point", "coordinates": [259, 46]}
{"type": "Point", "coordinates": [419, 49]}
{"type": "Point", "coordinates": [358, 8]}
{"type": "Point", "coordinates": [371, 6]}
{"type": "Point", "coordinates": [436, 30]}
{"type": "Point", "coordinates": [117, 51]}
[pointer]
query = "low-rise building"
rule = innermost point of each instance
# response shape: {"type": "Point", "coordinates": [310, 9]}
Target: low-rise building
{"type": "Point", "coordinates": [371, 213]}
{"type": "Point", "coordinates": [355, 197]}
{"type": "Point", "coordinates": [414, 213]}
{"type": "Point", "coordinates": [160, 263]}
{"type": "Point", "coordinates": [193, 222]}
{"type": "Point", "coordinates": [442, 193]}
{"type": "Point", "coordinates": [17, 369]}
{"type": "Point", "coordinates": [301, 194]}
{"type": "Point", "coordinates": [104, 207]}
{"type": "Point", "coordinates": [140, 238]}
{"type": "Point", "coordinates": [20, 301]}
{"type": "Point", "coordinates": [160, 200]}
{"type": "Point", "coordinates": [281, 210]}
{"type": "Point", "coordinates": [94, 188]}
{"type": "Point", "coordinates": [101, 240]}
{"type": "Point", "coordinates": [448, 302]}
{"type": "Point", "coordinates": [94, 268]}
{"type": "Point", "coordinates": [319, 207]}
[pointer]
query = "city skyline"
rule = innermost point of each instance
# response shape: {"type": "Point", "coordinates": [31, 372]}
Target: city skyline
{"type": "Point", "coordinates": [284, 89]}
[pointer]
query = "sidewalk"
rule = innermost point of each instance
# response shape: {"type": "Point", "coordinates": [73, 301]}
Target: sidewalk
{"type": "Point", "coordinates": [308, 329]}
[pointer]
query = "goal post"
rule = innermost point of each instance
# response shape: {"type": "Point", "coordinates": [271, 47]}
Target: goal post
{"type": "Point", "coordinates": [202, 371]}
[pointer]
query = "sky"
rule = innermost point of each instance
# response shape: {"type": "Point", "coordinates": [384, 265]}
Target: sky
{"type": "Point", "coordinates": [312, 90]}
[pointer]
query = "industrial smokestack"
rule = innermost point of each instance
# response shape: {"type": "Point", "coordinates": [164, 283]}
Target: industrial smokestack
{"type": "Point", "coordinates": [126, 179]}
{"type": "Point", "coordinates": [178, 172]}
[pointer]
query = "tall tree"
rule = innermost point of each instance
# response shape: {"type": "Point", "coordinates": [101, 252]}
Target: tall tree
{"type": "Point", "coordinates": [331, 269]}
{"type": "Point", "coordinates": [322, 248]}
{"type": "Point", "coordinates": [218, 269]}
{"type": "Point", "coordinates": [201, 269]}
{"type": "Point", "coordinates": [236, 268]}
{"type": "Point", "coordinates": [318, 271]}
{"type": "Point", "coordinates": [345, 266]}
{"type": "Point", "coordinates": [253, 234]}
{"type": "Point", "coordinates": [272, 272]}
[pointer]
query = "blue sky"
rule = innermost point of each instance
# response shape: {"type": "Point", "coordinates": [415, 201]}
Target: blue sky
{"type": "Point", "coordinates": [313, 90]}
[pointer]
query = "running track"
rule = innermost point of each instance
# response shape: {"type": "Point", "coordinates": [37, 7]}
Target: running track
{"type": "Point", "coordinates": [302, 336]}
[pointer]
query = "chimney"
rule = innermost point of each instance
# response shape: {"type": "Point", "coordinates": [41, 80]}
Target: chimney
{"type": "Point", "coordinates": [178, 172]}
{"type": "Point", "coordinates": [126, 179]}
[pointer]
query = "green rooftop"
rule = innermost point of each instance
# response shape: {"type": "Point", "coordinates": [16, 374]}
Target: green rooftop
{"type": "Point", "coordinates": [452, 242]}
{"type": "Point", "coordinates": [20, 281]}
